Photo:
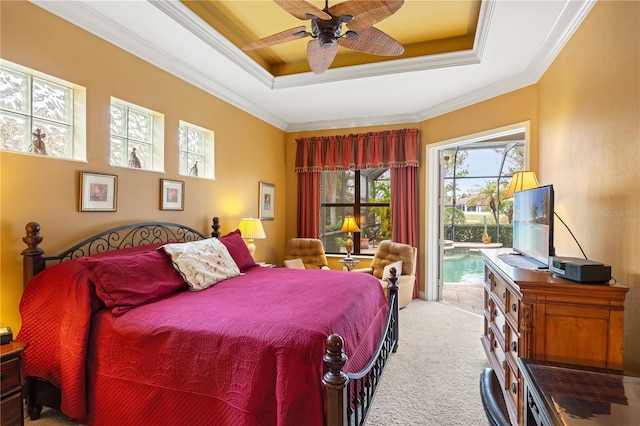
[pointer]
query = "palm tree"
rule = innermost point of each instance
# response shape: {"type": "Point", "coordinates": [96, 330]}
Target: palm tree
{"type": "Point", "coordinates": [485, 196]}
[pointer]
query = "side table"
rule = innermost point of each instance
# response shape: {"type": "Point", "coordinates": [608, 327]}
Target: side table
{"type": "Point", "coordinates": [11, 408]}
{"type": "Point", "coordinates": [349, 262]}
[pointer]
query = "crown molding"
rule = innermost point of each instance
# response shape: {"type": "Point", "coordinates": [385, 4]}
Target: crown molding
{"type": "Point", "coordinates": [571, 17]}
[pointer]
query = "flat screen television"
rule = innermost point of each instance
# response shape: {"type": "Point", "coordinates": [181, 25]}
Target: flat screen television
{"type": "Point", "coordinates": [533, 223]}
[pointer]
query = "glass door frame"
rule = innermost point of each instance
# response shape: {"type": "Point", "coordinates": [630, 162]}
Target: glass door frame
{"type": "Point", "coordinates": [434, 206]}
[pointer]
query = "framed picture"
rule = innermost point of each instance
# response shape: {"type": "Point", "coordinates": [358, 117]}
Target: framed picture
{"type": "Point", "coordinates": [171, 194]}
{"type": "Point", "coordinates": [267, 200]}
{"type": "Point", "coordinates": [98, 192]}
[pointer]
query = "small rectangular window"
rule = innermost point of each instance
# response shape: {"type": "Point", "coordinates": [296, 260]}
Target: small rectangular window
{"type": "Point", "coordinates": [195, 146]}
{"type": "Point", "coordinates": [137, 137]}
{"type": "Point", "coordinates": [40, 114]}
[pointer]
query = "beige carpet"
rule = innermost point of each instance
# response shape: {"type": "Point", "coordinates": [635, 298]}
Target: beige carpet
{"type": "Point", "coordinates": [433, 379]}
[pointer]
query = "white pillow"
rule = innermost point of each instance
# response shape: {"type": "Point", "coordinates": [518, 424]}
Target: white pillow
{"type": "Point", "coordinates": [294, 263]}
{"type": "Point", "coordinates": [387, 270]}
{"type": "Point", "coordinates": [202, 263]}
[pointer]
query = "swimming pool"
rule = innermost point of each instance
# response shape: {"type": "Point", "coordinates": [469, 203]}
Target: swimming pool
{"type": "Point", "coordinates": [463, 268]}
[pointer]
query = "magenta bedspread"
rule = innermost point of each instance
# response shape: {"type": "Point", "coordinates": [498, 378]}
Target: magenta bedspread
{"type": "Point", "coordinates": [247, 351]}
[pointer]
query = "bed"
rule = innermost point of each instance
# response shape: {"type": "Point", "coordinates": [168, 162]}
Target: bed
{"type": "Point", "coordinates": [115, 336]}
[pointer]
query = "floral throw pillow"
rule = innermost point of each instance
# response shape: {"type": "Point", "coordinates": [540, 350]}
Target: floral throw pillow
{"type": "Point", "coordinates": [202, 263]}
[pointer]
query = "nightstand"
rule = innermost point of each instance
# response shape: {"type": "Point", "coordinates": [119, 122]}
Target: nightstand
{"type": "Point", "coordinates": [11, 406]}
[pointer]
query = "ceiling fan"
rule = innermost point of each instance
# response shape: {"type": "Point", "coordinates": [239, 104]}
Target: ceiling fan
{"type": "Point", "coordinates": [359, 16]}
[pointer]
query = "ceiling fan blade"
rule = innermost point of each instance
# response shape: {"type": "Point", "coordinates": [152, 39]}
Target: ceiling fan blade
{"type": "Point", "coordinates": [320, 58]}
{"type": "Point", "coordinates": [281, 37]}
{"type": "Point", "coordinates": [366, 12]}
{"type": "Point", "coordinates": [372, 40]}
{"type": "Point", "coordinates": [300, 8]}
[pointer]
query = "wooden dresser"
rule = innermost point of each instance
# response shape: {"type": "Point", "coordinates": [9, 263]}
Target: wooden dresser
{"type": "Point", "coordinates": [533, 314]}
{"type": "Point", "coordinates": [11, 407]}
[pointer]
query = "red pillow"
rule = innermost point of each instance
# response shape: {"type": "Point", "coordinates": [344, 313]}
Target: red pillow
{"type": "Point", "coordinates": [126, 281]}
{"type": "Point", "coordinates": [238, 250]}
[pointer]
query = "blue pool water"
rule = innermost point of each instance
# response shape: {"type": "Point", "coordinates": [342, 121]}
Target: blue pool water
{"type": "Point", "coordinates": [463, 268]}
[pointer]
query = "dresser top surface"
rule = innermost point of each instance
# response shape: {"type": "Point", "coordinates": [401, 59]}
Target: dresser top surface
{"type": "Point", "coordinates": [536, 277]}
{"type": "Point", "coordinates": [580, 396]}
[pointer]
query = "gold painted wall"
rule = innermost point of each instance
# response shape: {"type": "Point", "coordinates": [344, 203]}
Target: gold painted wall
{"type": "Point", "coordinates": [46, 190]}
{"type": "Point", "coordinates": [589, 132]}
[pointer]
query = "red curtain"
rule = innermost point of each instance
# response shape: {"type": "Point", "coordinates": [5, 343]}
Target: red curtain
{"type": "Point", "coordinates": [308, 204]}
{"type": "Point", "coordinates": [395, 149]}
{"type": "Point", "coordinates": [374, 150]}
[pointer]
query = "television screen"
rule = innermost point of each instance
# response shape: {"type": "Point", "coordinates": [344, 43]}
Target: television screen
{"type": "Point", "coordinates": [533, 223]}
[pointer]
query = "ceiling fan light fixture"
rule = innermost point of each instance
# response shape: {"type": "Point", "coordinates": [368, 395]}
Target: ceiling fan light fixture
{"type": "Point", "coordinates": [326, 40]}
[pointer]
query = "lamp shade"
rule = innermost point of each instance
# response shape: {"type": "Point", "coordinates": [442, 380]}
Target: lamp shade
{"type": "Point", "coordinates": [520, 181]}
{"type": "Point", "coordinates": [349, 224]}
{"type": "Point", "coordinates": [251, 229]}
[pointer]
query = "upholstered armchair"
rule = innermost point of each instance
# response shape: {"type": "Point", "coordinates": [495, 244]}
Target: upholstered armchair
{"type": "Point", "coordinates": [388, 254]}
{"type": "Point", "coordinates": [309, 250]}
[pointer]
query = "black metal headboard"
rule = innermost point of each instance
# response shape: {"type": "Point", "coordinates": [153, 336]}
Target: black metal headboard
{"type": "Point", "coordinates": [133, 235]}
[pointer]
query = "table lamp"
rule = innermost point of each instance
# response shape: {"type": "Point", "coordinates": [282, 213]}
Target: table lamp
{"type": "Point", "coordinates": [349, 225]}
{"type": "Point", "coordinates": [251, 229]}
{"type": "Point", "coordinates": [520, 181]}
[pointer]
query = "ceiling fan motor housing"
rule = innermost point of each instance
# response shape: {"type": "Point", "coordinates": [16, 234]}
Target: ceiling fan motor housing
{"type": "Point", "coordinates": [329, 31]}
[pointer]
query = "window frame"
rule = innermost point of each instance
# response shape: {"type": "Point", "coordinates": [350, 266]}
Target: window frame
{"type": "Point", "coordinates": [208, 169]}
{"type": "Point", "coordinates": [356, 206]}
{"type": "Point", "coordinates": [77, 148]}
{"type": "Point", "coordinates": [157, 137]}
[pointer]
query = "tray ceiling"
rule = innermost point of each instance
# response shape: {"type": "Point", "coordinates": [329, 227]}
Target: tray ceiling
{"type": "Point", "coordinates": [458, 52]}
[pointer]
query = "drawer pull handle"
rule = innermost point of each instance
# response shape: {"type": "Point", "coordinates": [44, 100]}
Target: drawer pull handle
{"type": "Point", "coordinates": [514, 346]}
{"type": "Point", "coordinates": [495, 312]}
{"type": "Point", "coordinates": [504, 295]}
{"type": "Point", "coordinates": [504, 364]}
{"type": "Point", "coordinates": [514, 388]}
{"type": "Point", "coordinates": [514, 308]}
{"type": "Point", "coordinates": [503, 328]}
{"type": "Point", "coordinates": [495, 343]}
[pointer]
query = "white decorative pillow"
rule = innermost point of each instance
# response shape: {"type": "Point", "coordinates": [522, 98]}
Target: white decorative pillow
{"type": "Point", "coordinates": [387, 270]}
{"type": "Point", "coordinates": [202, 263]}
{"type": "Point", "coordinates": [294, 263]}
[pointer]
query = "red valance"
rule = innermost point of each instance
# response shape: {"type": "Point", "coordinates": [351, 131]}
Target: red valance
{"type": "Point", "coordinates": [373, 150]}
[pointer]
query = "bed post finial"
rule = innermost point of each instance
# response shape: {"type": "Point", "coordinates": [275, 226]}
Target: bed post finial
{"type": "Point", "coordinates": [32, 262]}
{"type": "Point", "coordinates": [335, 382]}
{"type": "Point", "coordinates": [216, 227]}
{"type": "Point", "coordinates": [393, 298]}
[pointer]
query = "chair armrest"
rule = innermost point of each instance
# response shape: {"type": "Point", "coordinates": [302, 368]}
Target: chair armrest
{"type": "Point", "coordinates": [365, 270]}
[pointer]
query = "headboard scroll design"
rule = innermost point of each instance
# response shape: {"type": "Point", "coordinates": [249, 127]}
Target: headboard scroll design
{"type": "Point", "coordinates": [133, 235]}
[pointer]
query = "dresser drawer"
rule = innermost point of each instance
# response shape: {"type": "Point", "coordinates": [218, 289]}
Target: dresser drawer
{"type": "Point", "coordinates": [10, 374]}
{"type": "Point", "coordinates": [513, 385]}
{"type": "Point", "coordinates": [11, 410]}
{"type": "Point", "coordinates": [498, 318]}
{"type": "Point", "coordinates": [512, 307]}
{"type": "Point", "coordinates": [496, 285]}
{"type": "Point", "coordinates": [498, 352]}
